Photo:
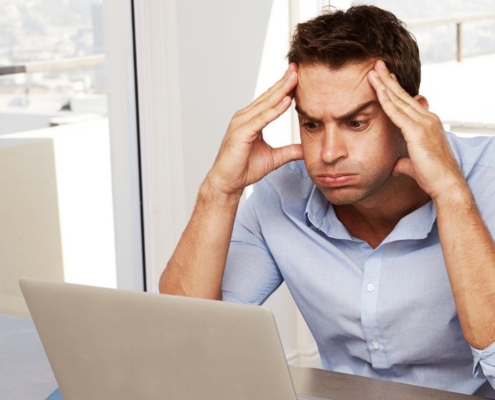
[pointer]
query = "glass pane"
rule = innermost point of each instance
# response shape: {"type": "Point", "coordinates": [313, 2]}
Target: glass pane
{"type": "Point", "coordinates": [438, 43]}
{"type": "Point", "coordinates": [447, 83]}
{"type": "Point", "coordinates": [56, 217]}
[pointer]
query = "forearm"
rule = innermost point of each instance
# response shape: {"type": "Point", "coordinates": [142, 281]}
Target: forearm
{"type": "Point", "coordinates": [197, 265]}
{"type": "Point", "coordinates": [469, 253]}
{"type": "Point", "coordinates": [467, 245]}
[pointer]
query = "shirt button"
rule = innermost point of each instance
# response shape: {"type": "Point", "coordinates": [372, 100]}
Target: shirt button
{"type": "Point", "coordinates": [371, 287]}
{"type": "Point", "coordinates": [375, 345]}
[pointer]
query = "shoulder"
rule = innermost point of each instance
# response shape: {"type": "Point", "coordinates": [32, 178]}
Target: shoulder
{"type": "Point", "coordinates": [476, 157]}
{"type": "Point", "coordinates": [471, 152]}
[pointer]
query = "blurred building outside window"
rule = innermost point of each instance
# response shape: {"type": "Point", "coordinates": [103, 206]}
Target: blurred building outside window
{"type": "Point", "coordinates": [56, 212]}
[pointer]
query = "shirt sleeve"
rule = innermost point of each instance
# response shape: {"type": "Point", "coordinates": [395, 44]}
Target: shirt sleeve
{"type": "Point", "coordinates": [479, 168]}
{"type": "Point", "coordinates": [485, 360]}
{"type": "Point", "coordinates": [251, 274]}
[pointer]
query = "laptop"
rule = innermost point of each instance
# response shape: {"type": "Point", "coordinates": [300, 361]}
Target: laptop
{"type": "Point", "coordinates": [120, 345]}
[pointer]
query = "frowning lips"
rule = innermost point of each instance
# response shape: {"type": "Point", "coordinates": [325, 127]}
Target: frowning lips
{"type": "Point", "coordinates": [334, 179]}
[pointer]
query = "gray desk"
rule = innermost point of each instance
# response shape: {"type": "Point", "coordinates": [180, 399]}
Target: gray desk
{"type": "Point", "coordinates": [321, 383]}
{"type": "Point", "coordinates": [26, 375]}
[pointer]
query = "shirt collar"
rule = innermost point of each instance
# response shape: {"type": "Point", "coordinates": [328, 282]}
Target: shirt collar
{"type": "Point", "coordinates": [316, 208]}
{"type": "Point", "coordinates": [320, 213]}
{"type": "Point", "coordinates": [416, 225]}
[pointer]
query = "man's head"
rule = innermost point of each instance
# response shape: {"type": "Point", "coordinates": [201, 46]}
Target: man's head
{"type": "Point", "coordinates": [361, 33]}
{"type": "Point", "coordinates": [350, 145]}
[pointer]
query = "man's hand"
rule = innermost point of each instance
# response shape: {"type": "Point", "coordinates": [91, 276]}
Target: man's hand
{"type": "Point", "coordinates": [244, 157]}
{"type": "Point", "coordinates": [467, 245]}
{"type": "Point", "coordinates": [431, 162]}
{"type": "Point", "coordinates": [196, 268]}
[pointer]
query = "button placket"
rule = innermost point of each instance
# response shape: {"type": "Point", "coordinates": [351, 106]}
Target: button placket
{"type": "Point", "coordinates": [369, 301]}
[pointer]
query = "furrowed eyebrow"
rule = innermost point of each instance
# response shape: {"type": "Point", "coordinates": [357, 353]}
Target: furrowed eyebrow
{"type": "Point", "coordinates": [351, 114]}
{"type": "Point", "coordinates": [304, 114]}
{"type": "Point", "coordinates": [346, 117]}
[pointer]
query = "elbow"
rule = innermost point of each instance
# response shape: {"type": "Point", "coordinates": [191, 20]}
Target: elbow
{"type": "Point", "coordinates": [173, 282]}
{"type": "Point", "coordinates": [162, 288]}
{"type": "Point", "coordinates": [166, 283]}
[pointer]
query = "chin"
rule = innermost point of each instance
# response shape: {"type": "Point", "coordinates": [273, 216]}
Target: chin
{"type": "Point", "coordinates": [340, 197]}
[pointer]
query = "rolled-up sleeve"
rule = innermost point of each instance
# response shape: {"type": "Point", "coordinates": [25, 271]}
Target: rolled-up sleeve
{"type": "Point", "coordinates": [485, 360]}
{"type": "Point", "coordinates": [251, 274]}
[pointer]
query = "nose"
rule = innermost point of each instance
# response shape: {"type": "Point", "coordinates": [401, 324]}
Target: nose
{"type": "Point", "coordinates": [334, 146]}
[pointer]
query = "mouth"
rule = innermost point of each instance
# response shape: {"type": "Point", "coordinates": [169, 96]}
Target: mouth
{"type": "Point", "coordinates": [334, 180]}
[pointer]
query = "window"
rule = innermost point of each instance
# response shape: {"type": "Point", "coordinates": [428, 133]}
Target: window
{"type": "Point", "coordinates": [57, 135]}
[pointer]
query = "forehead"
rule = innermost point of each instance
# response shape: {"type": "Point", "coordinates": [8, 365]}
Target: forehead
{"type": "Point", "coordinates": [324, 93]}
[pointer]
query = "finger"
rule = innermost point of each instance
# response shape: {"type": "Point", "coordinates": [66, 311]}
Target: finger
{"type": "Point", "coordinates": [253, 126]}
{"type": "Point", "coordinates": [290, 69]}
{"type": "Point", "coordinates": [272, 91]}
{"type": "Point", "coordinates": [402, 113]}
{"type": "Point", "coordinates": [390, 81]}
{"type": "Point", "coordinates": [287, 89]}
{"type": "Point", "coordinates": [283, 155]}
{"type": "Point", "coordinates": [404, 166]}
{"type": "Point", "coordinates": [271, 108]}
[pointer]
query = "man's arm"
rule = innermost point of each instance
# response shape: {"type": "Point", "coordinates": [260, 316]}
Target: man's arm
{"type": "Point", "coordinates": [197, 265]}
{"type": "Point", "coordinates": [467, 246]}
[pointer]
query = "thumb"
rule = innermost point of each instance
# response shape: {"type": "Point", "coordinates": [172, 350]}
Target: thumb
{"type": "Point", "coordinates": [404, 166]}
{"type": "Point", "coordinates": [282, 155]}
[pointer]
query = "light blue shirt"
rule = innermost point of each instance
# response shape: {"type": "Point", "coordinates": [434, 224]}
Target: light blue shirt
{"type": "Point", "coordinates": [385, 313]}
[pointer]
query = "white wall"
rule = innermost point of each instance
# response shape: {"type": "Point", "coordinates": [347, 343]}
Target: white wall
{"type": "Point", "coordinates": [220, 48]}
{"type": "Point", "coordinates": [198, 62]}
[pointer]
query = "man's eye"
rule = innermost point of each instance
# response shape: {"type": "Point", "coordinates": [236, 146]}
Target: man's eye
{"type": "Point", "coordinates": [310, 126]}
{"type": "Point", "coordinates": [356, 124]}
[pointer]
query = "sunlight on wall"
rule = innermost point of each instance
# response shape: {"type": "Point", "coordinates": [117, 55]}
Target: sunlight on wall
{"type": "Point", "coordinates": [272, 67]}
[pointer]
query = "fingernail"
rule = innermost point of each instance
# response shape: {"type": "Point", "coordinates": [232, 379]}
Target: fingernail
{"type": "Point", "coordinates": [393, 76]}
{"type": "Point", "coordinates": [375, 74]}
{"type": "Point", "coordinates": [381, 64]}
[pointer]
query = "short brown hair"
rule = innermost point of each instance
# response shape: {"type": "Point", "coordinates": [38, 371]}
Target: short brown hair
{"type": "Point", "coordinates": [361, 33]}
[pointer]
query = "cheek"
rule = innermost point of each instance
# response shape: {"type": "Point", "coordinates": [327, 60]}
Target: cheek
{"type": "Point", "coordinates": [380, 151]}
{"type": "Point", "coordinates": [310, 147]}
{"type": "Point", "coordinates": [390, 140]}
{"type": "Point", "coordinates": [398, 145]}
{"type": "Point", "coordinates": [390, 151]}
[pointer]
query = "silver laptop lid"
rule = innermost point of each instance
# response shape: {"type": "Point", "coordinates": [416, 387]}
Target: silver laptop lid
{"type": "Point", "coordinates": [113, 344]}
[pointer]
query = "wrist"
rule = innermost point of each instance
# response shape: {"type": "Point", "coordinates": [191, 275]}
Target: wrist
{"type": "Point", "coordinates": [212, 194]}
{"type": "Point", "coordinates": [457, 197]}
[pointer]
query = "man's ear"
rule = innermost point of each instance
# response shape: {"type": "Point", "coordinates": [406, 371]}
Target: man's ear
{"type": "Point", "coordinates": [423, 101]}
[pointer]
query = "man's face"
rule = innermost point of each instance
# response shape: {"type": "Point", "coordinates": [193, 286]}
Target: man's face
{"type": "Point", "coordinates": [350, 146]}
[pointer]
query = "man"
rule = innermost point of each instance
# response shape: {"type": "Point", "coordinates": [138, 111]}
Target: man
{"type": "Point", "coordinates": [377, 232]}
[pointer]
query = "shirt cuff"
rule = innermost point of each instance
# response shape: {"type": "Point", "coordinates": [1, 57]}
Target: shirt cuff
{"type": "Point", "coordinates": [485, 359]}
